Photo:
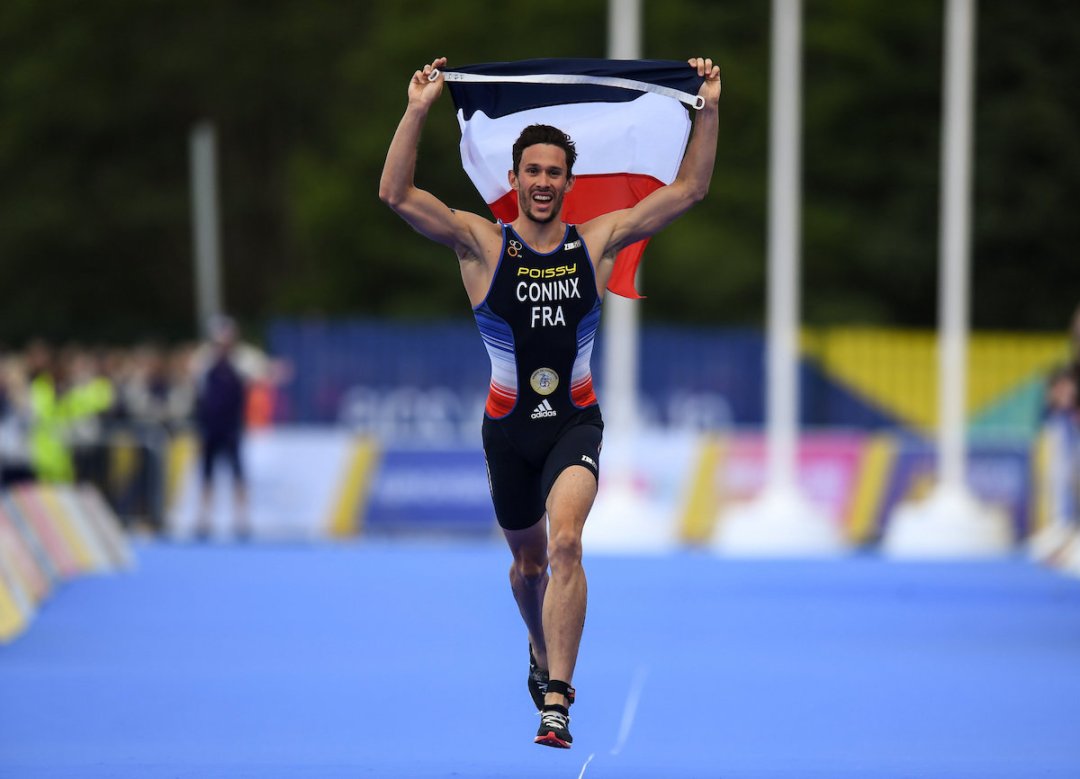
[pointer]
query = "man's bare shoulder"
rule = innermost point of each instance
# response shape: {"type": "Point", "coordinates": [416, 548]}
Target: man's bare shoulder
{"type": "Point", "coordinates": [599, 224]}
{"type": "Point", "coordinates": [597, 233]}
{"type": "Point", "coordinates": [486, 237]}
{"type": "Point", "coordinates": [475, 221]}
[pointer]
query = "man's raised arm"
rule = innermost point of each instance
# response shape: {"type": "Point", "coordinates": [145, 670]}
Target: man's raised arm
{"type": "Point", "coordinates": [662, 207]}
{"type": "Point", "coordinates": [426, 214]}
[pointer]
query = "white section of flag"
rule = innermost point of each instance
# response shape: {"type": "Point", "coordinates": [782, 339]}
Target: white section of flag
{"type": "Point", "coordinates": [610, 138]}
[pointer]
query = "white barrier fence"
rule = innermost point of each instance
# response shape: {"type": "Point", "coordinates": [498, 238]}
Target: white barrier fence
{"type": "Point", "coordinates": [50, 534]}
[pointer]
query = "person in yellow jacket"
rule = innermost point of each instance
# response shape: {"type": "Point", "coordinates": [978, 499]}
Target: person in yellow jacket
{"type": "Point", "coordinates": [54, 408]}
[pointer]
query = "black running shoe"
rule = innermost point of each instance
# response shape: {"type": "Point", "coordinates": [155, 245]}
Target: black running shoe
{"type": "Point", "coordinates": [554, 728]}
{"type": "Point", "coordinates": [538, 681]}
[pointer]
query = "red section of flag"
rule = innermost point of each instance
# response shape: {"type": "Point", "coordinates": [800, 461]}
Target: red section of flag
{"type": "Point", "coordinates": [592, 196]}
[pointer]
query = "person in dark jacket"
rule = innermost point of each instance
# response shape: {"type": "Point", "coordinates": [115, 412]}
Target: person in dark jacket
{"type": "Point", "coordinates": [220, 402]}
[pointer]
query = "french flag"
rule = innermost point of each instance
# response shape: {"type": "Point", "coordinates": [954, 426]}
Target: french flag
{"type": "Point", "coordinates": [627, 118]}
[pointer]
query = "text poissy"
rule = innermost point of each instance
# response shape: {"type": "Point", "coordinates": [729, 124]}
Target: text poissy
{"type": "Point", "coordinates": [548, 273]}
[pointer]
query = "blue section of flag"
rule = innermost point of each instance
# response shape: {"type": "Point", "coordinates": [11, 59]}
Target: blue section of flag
{"type": "Point", "coordinates": [501, 99]}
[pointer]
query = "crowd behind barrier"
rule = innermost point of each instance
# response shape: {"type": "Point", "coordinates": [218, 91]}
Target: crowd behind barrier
{"type": "Point", "coordinates": [103, 416]}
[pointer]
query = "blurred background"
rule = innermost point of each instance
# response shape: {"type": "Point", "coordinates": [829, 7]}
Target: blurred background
{"type": "Point", "coordinates": [365, 394]}
{"type": "Point", "coordinates": [310, 619]}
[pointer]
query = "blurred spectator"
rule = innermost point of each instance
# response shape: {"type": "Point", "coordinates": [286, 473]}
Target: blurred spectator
{"type": "Point", "coordinates": [65, 396]}
{"type": "Point", "coordinates": [14, 422]}
{"type": "Point", "coordinates": [108, 416]}
{"type": "Point", "coordinates": [1074, 342]}
{"type": "Point", "coordinates": [1058, 543]}
{"type": "Point", "coordinates": [224, 368]}
{"type": "Point", "coordinates": [1060, 421]}
{"type": "Point", "coordinates": [87, 396]}
{"type": "Point", "coordinates": [182, 381]}
{"type": "Point", "coordinates": [152, 392]}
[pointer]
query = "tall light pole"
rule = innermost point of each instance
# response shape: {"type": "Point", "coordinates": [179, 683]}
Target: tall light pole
{"type": "Point", "coordinates": [780, 520]}
{"type": "Point", "coordinates": [206, 223]}
{"type": "Point", "coordinates": [951, 522]}
{"type": "Point", "coordinates": [621, 326]}
{"type": "Point", "coordinates": [785, 233]}
{"type": "Point", "coordinates": [622, 517]}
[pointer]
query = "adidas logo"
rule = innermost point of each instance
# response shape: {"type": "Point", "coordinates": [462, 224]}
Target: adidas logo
{"type": "Point", "coordinates": [543, 410]}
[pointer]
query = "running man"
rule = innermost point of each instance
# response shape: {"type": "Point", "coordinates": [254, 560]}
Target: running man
{"type": "Point", "coordinates": [535, 286]}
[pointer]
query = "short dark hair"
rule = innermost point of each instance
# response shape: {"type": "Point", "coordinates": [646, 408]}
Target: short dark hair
{"type": "Point", "coordinates": [545, 133]}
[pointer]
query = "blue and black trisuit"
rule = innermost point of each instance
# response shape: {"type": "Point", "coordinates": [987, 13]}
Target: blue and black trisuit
{"type": "Point", "coordinates": [538, 322]}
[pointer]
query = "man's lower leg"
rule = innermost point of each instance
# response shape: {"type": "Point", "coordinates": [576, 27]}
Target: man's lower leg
{"type": "Point", "coordinates": [564, 618]}
{"type": "Point", "coordinates": [528, 584]}
{"type": "Point", "coordinates": [564, 613]}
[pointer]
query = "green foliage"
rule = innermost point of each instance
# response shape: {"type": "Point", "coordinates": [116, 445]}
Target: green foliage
{"type": "Point", "coordinates": [872, 136]}
{"type": "Point", "coordinates": [99, 98]}
{"type": "Point", "coordinates": [356, 255]}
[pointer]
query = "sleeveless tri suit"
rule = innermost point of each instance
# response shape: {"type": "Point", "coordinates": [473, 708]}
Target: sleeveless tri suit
{"type": "Point", "coordinates": [538, 322]}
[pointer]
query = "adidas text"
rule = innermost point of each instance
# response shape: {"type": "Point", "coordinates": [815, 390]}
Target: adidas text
{"type": "Point", "coordinates": [543, 410]}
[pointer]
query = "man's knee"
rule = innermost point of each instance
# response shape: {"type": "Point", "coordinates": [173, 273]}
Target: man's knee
{"type": "Point", "coordinates": [529, 569]}
{"type": "Point", "coordinates": [565, 549]}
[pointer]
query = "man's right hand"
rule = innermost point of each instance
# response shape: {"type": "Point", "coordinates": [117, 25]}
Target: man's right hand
{"type": "Point", "coordinates": [422, 90]}
{"type": "Point", "coordinates": [710, 88]}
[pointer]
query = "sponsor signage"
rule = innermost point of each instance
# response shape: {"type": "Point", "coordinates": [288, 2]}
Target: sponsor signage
{"type": "Point", "coordinates": [430, 489]}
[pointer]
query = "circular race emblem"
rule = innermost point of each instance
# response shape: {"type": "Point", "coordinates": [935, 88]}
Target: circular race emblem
{"type": "Point", "coordinates": [544, 381]}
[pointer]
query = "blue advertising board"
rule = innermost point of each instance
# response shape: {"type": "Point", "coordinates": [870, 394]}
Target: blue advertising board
{"type": "Point", "coordinates": [430, 489]}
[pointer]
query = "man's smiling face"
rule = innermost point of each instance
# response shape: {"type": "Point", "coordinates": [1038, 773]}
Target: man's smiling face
{"type": "Point", "coordinates": [541, 182]}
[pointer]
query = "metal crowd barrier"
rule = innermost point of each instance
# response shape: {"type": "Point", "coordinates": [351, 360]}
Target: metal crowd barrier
{"type": "Point", "coordinates": [128, 464]}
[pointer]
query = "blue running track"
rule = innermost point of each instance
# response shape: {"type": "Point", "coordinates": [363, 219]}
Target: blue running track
{"type": "Point", "coordinates": [409, 660]}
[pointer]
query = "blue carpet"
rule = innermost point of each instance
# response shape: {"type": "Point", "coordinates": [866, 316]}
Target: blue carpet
{"type": "Point", "coordinates": [408, 660]}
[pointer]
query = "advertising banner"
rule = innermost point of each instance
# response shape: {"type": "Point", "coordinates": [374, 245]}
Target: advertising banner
{"type": "Point", "coordinates": [999, 475]}
{"type": "Point", "coordinates": [294, 477]}
{"type": "Point", "coordinates": [644, 483]}
{"type": "Point", "coordinates": [430, 489]}
{"type": "Point", "coordinates": [828, 470]}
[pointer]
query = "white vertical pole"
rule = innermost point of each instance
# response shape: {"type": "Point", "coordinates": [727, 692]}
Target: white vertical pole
{"type": "Point", "coordinates": [781, 520]}
{"type": "Point", "coordinates": [621, 337]}
{"type": "Point", "coordinates": [951, 522]}
{"type": "Point", "coordinates": [955, 241]}
{"type": "Point", "coordinates": [622, 517]}
{"type": "Point", "coordinates": [785, 106]}
{"type": "Point", "coordinates": [205, 223]}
